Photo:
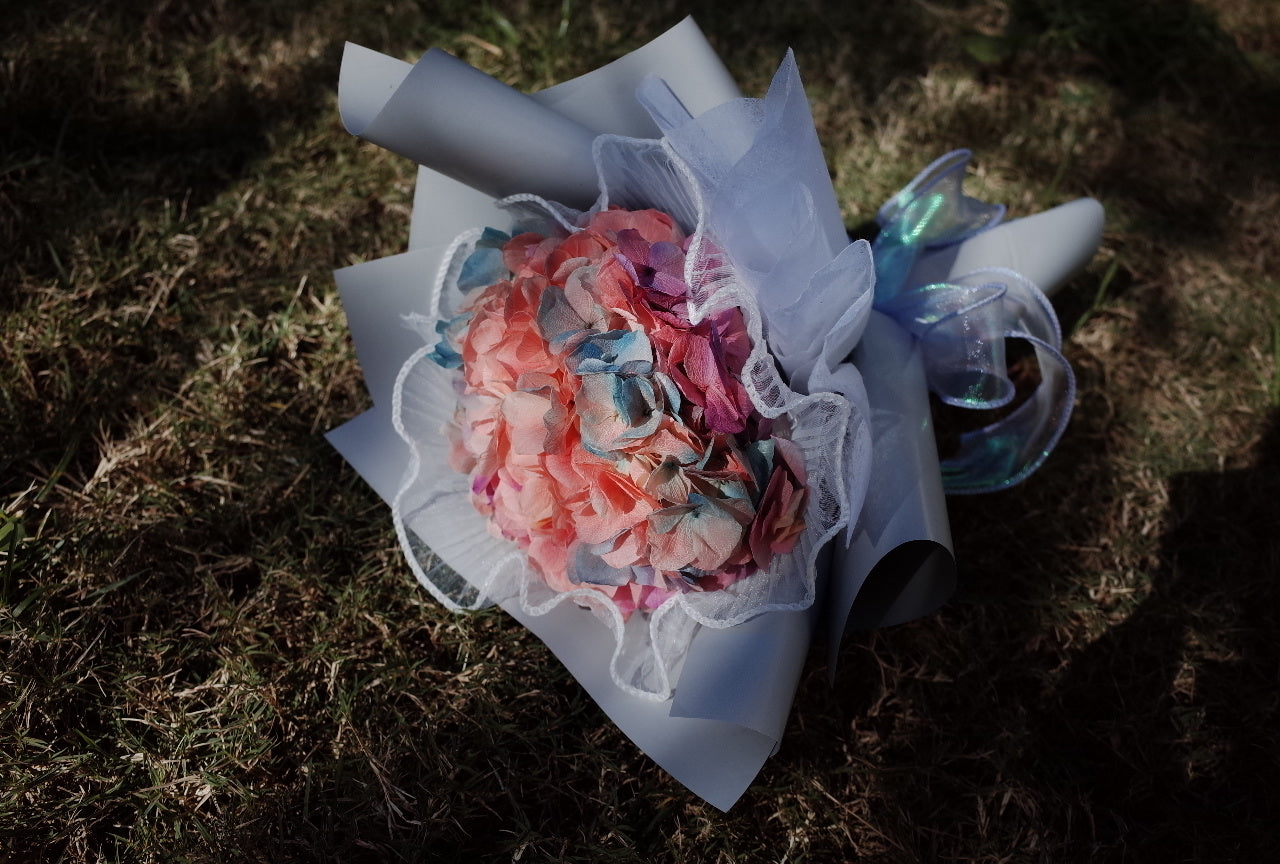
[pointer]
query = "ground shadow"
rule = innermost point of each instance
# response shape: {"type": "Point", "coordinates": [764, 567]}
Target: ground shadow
{"type": "Point", "coordinates": [1165, 727]}
{"type": "Point", "coordinates": [1199, 116]}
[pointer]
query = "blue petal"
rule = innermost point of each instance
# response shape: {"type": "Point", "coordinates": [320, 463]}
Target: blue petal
{"type": "Point", "coordinates": [585, 567]}
{"type": "Point", "coordinates": [484, 266]}
{"type": "Point", "coordinates": [610, 351]}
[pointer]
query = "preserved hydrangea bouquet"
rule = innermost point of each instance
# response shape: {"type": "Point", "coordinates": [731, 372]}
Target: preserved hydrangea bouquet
{"type": "Point", "coordinates": [659, 407]}
{"type": "Point", "coordinates": [603, 431]}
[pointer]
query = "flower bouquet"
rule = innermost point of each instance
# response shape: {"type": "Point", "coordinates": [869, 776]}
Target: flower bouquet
{"type": "Point", "coordinates": [629, 382]}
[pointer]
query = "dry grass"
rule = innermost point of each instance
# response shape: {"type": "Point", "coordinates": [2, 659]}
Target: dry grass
{"type": "Point", "coordinates": [212, 651]}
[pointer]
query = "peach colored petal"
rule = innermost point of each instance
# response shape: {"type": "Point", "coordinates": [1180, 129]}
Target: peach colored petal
{"type": "Point", "coordinates": [613, 504]}
{"type": "Point", "coordinates": [780, 520]}
{"type": "Point", "coordinates": [701, 535]}
{"type": "Point", "coordinates": [653, 225]}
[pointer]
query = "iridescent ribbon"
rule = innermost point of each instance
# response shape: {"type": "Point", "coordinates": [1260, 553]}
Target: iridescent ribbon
{"type": "Point", "coordinates": [962, 327]}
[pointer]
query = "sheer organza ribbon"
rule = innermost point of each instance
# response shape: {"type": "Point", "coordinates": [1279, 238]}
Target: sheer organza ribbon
{"type": "Point", "coordinates": [962, 326]}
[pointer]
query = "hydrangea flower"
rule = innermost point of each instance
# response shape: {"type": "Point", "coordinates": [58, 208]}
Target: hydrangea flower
{"type": "Point", "coordinates": [605, 433]}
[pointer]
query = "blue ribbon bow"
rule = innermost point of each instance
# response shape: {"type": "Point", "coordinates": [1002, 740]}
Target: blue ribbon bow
{"type": "Point", "coordinates": [962, 327]}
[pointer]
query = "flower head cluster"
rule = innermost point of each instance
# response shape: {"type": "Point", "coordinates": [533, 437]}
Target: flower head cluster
{"type": "Point", "coordinates": [605, 433]}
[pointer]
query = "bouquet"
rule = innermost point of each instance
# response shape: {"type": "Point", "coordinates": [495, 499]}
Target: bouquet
{"type": "Point", "coordinates": [630, 370]}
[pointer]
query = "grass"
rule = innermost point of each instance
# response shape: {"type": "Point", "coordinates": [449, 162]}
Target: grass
{"type": "Point", "coordinates": [210, 648]}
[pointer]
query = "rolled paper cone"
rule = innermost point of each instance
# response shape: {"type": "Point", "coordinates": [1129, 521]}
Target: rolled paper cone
{"type": "Point", "coordinates": [602, 100]}
{"type": "Point", "coordinates": [605, 99]}
{"type": "Point", "coordinates": [899, 565]}
{"type": "Point", "coordinates": [455, 119]}
{"type": "Point", "coordinates": [1047, 248]}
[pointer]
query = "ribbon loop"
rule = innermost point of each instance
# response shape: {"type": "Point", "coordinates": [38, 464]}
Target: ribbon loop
{"type": "Point", "coordinates": [962, 326]}
{"type": "Point", "coordinates": [931, 211]}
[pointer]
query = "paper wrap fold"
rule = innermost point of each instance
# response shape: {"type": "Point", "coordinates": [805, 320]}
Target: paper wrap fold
{"type": "Point", "coordinates": [735, 689]}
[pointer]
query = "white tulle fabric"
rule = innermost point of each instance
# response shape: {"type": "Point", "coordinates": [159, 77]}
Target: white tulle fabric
{"type": "Point", "coordinates": [450, 546]}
